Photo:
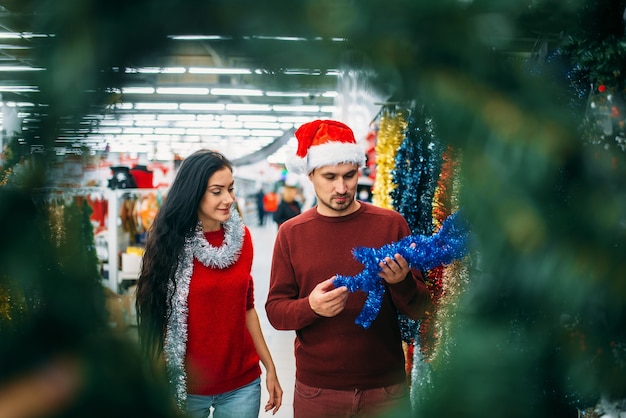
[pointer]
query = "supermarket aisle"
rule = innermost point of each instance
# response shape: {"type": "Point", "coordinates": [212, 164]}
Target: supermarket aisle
{"type": "Point", "coordinates": [280, 343]}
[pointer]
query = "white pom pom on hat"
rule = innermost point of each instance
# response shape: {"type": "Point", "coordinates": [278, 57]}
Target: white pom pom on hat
{"type": "Point", "coordinates": [324, 142]}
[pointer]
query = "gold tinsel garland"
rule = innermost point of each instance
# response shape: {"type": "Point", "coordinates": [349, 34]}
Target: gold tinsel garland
{"type": "Point", "coordinates": [393, 125]}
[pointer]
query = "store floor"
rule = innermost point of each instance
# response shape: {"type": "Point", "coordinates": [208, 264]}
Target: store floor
{"type": "Point", "coordinates": [280, 343]}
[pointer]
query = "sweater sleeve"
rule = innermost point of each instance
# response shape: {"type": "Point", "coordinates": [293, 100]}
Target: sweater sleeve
{"type": "Point", "coordinates": [411, 296]}
{"type": "Point", "coordinates": [286, 308]}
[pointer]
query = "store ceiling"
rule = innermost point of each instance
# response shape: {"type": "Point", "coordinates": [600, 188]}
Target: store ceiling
{"type": "Point", "coordinates": [197, 92]}
{"type": "Point", "coordinates": [197, 89]}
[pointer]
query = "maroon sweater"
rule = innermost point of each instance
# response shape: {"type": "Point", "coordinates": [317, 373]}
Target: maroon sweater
{"type": "Point", "coordinates": [335, 353]}
{"type": "Point", "coordinates": [220, 354]}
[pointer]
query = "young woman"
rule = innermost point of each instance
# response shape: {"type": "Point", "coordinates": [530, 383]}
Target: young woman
{"type": "Point", "coordinates": [195, 299]}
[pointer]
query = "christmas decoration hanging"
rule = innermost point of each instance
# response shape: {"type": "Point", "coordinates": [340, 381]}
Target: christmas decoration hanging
{"type": "Point", "coordinates": [430, 251]}
{"type": "Point", "coordinates": [390, 136]}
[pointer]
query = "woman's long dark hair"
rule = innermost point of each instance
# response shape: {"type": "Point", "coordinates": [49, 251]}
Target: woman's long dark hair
{"type": "Point", "coordinates": [176, 219]}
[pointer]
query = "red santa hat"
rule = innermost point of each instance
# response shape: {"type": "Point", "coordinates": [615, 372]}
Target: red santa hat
{"type": "Point", "coordinates": [324, 142]}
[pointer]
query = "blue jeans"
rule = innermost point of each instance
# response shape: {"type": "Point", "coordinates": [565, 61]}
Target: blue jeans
{"type": "Point", "coordinates": [244, 402]}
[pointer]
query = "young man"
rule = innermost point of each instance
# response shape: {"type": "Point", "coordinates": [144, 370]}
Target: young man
{"type": "Point", "coordinates": [342, 369]}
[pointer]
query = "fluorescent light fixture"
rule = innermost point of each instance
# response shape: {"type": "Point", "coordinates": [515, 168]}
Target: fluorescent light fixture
{"type": "Point", "coordinates": [146, 70]}
{"type": "Point", "coordinates": [196, 124]}
{"type": "Point", "coordinates": [140, 116]}
{"type": "Point", "coordinates": [137, 131]}
{"type": "Point", "coordinates": [286, 94]}
{"type": "Point", "coordinates": [202, 106]}
{"type": "Point", "coordinates": [137, 90]}
{"type": "Point", "coordinates": [295, 108]}
{"type": "Point", "coordinates": [226, 132]}
{"type": "Point", "coordinates": [198, 37]}
{"type": "Point", "coordinates": [330, 94]}
{"type": "Point", "coordinates": [159, 70]}
{"type": "Point", "coordinates": [13, 47]}
{"type": "Point", "coordinates": [156, 106]}
{"type": "Point", "coordinates": [295, 119]}
{"type": "Point", "coordinates": [226, 117]}
{"type": "Point", "coordinates": [10, 35]}
{"type": "Point", "coordinates": [174, 117]}
{"type": "Point", "coordinates": [265, 132]}
{"type": "Point", "coordinates": [236, 92]}
{"type": "Point", "coordinates": [153, 123]}
{"type": "Point", "coordinates": [169, 131]}
{"type": "Point", "coordinates": [111, 122]}
{"type": "Point", "coordinates": [174, 70]}
{"type": "Point", "coordinates": [7, 68]}
{"type": "Point", "coordinates": [277, 38]}
{"type": "Point", "coordinates": [219, 71]}
{"type": "Point", "coordinates": [232, 124]}
{"type": "Point", "coordinates": [19, 89]}
{"type": "Point", "coordinates": [261, 125]}
{"type": "Point", "coordinates": [297, 71]}
{"type": "Point", "coordinates": [257, 118]}
{"type": "Point", "coordinates": [182, 90]}
{"type": "Point", "coordinates": [110, 130]}
{"type": "Point", "coordinates": [236, 107]}
{"type": "Point", "coordinates": [328, 109]}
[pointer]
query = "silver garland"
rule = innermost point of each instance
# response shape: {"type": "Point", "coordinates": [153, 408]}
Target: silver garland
{"type": "Point", "coordinates": [196, 246]}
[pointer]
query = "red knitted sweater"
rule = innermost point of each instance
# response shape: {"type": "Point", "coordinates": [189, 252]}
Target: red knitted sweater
{"type": "Point", "coordinates": [335, 353]}
{"type": "Point", "coordinates": [220, 353]}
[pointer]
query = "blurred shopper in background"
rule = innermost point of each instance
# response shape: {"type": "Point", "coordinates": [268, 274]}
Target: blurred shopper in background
{"type": "Point", "coordinates": [288, 206]}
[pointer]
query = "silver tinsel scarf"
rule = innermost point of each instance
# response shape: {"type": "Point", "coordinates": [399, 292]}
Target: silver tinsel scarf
{"type": "Point", "coordinates": [196, 246]}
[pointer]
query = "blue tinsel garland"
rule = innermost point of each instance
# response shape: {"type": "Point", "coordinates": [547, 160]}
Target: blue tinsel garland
{"type": "Point", "coordinates": [417, 167]}
{"type": "Point", "coordinates": [431, 251]}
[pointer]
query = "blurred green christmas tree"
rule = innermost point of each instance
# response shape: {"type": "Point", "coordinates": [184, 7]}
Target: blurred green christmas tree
{"type": "Point", "coordinates": [540, 330]}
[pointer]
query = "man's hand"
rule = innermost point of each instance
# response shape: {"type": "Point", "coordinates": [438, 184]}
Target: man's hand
{"type": "Point", "coordinates": [394, 270]}
{"type": "Point", "coordinates": [326, 300]}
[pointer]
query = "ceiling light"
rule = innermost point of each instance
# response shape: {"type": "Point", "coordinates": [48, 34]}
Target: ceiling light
{"type": "Point", "coordinates": [261, 125]}
{"type": "Point", "coordinates": [257, 118]}
{"type": "Point", "coordinates": [202, 106]}
{"type": "Point", "coordinates": [196, 124]}
{"type": "Point", "coordinates": [6, 68]}
{"type": "Point", "coordinates": [286, 94]}
{"type": "Point", "coordinates": [137, 90]}
{"type": "Point", "coordinates": [295, 108]}
{"type": "Point", "coordinates": [232, 125]}
{"type": "Point", "coordinates": [198, 37]}
{"type": "Point", "coordinates": [19, 89]}
{"type": "Point", "coordinates": [137, 131]}
{"type": "Point", "coordinates": [295, 119]}
{"type": "Point", "coordinates": [156, 106]}
{"type": "Point", "coordinates": [153, 123]}
{"type": "Point", "coordinates": [219, 71]}
{"type": "Point", "coordinates": [169, 131]}
{"type": "Point", "coordinates": [182, 90]}
{"type": "Point", "coordinates": [158, 70]}
{"type": "Point", "coordinates": [235, 107]}
{"type": "Point", "coordinates": [174, 117]}
{"type": "Point", "coordinates": [236, 92]}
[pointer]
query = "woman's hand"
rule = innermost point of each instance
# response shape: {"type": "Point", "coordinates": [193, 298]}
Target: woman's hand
{"type": "Point", "coordinates": [275, 392]}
